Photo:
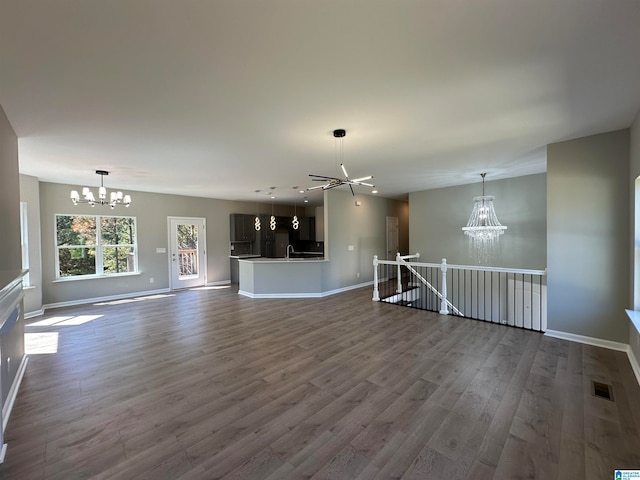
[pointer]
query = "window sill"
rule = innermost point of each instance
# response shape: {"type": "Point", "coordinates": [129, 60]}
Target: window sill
{"type": "Point", "coordinates": [95, 277]}
{"type": "Point", "coordinates": [634, 316]}
{"type": "Point", "coordinates": [29, 287]}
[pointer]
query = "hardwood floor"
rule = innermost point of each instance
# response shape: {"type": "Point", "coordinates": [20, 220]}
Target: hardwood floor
{"type": "Point", "coordinates": [206, 384]}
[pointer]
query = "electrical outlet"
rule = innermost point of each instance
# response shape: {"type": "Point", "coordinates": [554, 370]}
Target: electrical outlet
{"type": "Point", "coordinates": [151, 279]}
{"type": "Point", "coordinates": [358, 275]}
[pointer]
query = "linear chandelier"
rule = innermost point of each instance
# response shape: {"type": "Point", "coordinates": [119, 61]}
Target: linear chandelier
{"type": "Point", "coordinates": [332, 182]}
{"type": "Point", "coordinates": [483, 227]}
{"type": "Point", "coordinates": [115, 197]}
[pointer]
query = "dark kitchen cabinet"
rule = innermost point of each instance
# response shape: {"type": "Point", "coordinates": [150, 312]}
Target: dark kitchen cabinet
{"type": "Point", "coordinates": [241, 227]}
{"type": "Point", "coordinates": [306, 229]}
{"type": "Point", "coordinates": [267, 237]}
{"type": "Point", "coordinates": [234, 268]}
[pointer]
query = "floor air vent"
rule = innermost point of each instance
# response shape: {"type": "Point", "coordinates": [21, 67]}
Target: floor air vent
{"type": "Point", "coordinates": [602, 390]}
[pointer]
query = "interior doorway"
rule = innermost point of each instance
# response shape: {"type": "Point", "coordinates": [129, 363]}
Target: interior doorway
{"type": "Point", "coordinates": [392, 238]}
{"type": "Point", "coordinates": [188, 256]}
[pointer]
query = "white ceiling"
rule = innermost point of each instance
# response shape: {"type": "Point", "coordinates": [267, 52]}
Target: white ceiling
{"type": "Point", "coordinates": [220, 98]}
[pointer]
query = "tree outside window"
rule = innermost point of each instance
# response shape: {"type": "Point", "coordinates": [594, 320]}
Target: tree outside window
{"type": "Point", "coordinates": [92, 245]}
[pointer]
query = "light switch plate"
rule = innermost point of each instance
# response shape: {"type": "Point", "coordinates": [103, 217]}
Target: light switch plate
{"type": "Point", "coordinates": [350, 248]}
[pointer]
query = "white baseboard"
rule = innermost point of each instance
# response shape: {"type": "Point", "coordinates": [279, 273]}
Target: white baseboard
{"type": "Point", "coordinates": [635, 366]}
{"type": "Point", "coordinates": [279, 295]}
{"type": "Point", "coordinates": [346, 289]}
{"type": "Point", "coordinates": [596, 342]}
{"type": "Point", "coordinates": [36, 313]}
{"type": "Point", "coordinates": [105, 299]}
{"type": "Point", "coordinates": [219, 282]}
{"type": "Point", "coordinates": [304, 295]}
{"type": "Point", "coordinates": [13, 392]}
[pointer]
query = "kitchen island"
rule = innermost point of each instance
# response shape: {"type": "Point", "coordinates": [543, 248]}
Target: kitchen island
{"type": "Point", "coordinates": [281, 277]}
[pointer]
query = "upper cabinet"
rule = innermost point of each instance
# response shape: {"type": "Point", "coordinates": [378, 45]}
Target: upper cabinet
{"type": "Point", "coordinates": [241, 227]}
{"type": "Point", "coordinates": [307, 228]}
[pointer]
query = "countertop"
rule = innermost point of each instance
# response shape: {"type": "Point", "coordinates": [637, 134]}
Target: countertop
{"type": "Point", "coordinates": [8, 278]}
{"type": "Point", "coordinates": [283, 260]}
{"type": "Point", "coordinates": [244, 256]}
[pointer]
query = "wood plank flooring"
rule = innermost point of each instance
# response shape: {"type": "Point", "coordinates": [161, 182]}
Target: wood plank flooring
{"type": "Point", "coordinates": [205, 384]}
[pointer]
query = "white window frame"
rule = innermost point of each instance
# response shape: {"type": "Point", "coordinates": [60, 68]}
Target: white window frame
{"type": "Point", "coordinates": [98, 246]}
{"type": "Point", "coordinates": [24, 242]}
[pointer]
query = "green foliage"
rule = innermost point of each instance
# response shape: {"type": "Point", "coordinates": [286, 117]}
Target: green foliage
{"type": "Point", "coordinates": [117, 230]}
{"type": "Point", "coordinates": [76, 230]}
{"type": "Point", "coordinates": [187, 237]}
{"type": "Point", "coordinates": [77, 261]}
{"type": "Point", "coordinates": [118, 260]}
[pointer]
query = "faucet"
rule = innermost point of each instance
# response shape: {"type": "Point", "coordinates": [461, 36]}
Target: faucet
{"type": "Point", "coordinates": [289, 246]}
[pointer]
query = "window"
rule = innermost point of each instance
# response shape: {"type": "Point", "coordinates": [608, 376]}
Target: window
{"type": "Point", "coordinates": [95, 245]}
{"type": "Point", "coordinates": [24, 241]}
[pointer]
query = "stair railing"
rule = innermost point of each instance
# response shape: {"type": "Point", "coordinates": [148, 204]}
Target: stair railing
{"type": "Point", "coordinates": [514, 297]}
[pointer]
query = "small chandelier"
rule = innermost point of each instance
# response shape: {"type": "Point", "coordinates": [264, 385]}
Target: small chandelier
{"type": "Point", "coordinates": [115, 198]}
{"type": "Point", "coordinates": [256, 220]}
{"type": "Point", "coordinates": [295, 223]}
{"type": "Point", "coordinates": [272, 218]}
{"type": "Point", "coordinates": [483, 228]}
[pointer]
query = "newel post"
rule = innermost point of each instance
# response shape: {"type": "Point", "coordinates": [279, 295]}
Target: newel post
{"type": "Point", "coordinates": [399, 289]}
{"type": "Point", "coordinates": [376, 294]}
{"type": "Point", "coordinates": [444, 309]}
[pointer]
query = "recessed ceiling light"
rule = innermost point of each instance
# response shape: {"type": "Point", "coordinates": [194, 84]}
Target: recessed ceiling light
{"type": "Point", "coordinates": [374, 191]}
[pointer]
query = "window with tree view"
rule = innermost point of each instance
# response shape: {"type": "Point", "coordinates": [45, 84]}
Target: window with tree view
{"type": "Point", "coordinates": [93, 245]}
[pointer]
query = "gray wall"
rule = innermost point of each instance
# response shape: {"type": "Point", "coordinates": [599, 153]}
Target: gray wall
{"type": "Point", "coordinates": [11, 257]}
{"type": "Point", "coordinates": [634, 154]}
{"type": "Point", "coordinates": [364, 227]}
{"type": "Point", "coordinates": [588, 242]}
{"type": "Point", "coordinates": [30, 194]}
{"type": "Point", "coordinates": [437, 217]}
{"type": "Point", "coordinates": [151, 211]}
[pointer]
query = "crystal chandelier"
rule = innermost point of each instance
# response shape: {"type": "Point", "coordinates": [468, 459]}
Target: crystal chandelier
{"type": "Point", "coordinates": [115, 198]}
{"type": "Point", "coordinates": [483, 228]}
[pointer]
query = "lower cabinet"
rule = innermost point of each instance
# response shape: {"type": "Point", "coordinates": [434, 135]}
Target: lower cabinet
{"type": "Point", "coordinates": [234, 267]}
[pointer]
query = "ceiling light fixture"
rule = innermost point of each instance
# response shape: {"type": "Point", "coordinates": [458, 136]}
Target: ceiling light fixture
{"type": "Point", "coordinates": [332, 182]}
{"type": "Point", "coordinates": [115, 198]}
{"type": "Point", "coordinates": [483, 227]}
{"type": "Point", "coordinates": [256, 221]}
{"type": "Point", "coordinates": [272, 219]}
{"type": "Point", "coordinates": [295, 223]}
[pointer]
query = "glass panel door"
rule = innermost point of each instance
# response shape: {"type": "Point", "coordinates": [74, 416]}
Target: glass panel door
{"type": "Point", "coordinates": [188, 255]}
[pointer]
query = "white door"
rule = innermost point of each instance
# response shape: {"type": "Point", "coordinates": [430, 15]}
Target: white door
{"type": "Point", "coordinates": [392, 237]}
{"type": "Point", "coordinates": [188, 259]}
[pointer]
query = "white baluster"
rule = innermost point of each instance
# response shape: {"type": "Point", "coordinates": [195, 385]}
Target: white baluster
{"type": "Point", "coordinates": [399, 289]}
{"type": "Point", "coordinates": [444, 309]}
{"type": "Point", "coordinates": [376, 294]}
